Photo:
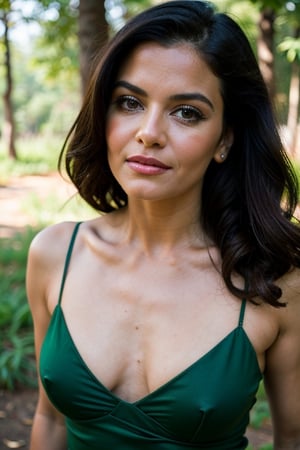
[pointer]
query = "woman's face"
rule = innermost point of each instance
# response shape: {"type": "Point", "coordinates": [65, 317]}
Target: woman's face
{"type": "Point", "coordinates": [165, 123]}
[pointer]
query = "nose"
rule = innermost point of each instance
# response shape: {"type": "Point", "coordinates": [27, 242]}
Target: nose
{"type": "Point", "coordinates": [151, 131]}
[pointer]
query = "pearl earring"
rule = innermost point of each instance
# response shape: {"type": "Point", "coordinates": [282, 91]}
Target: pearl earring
{"type": "Point", "coordinates": [222, 156]}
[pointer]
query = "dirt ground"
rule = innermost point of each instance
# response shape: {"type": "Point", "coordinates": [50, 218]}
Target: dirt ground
{"type": "Point", "coordinates": [16, 412]}
{"type": "Point", "coordinates": [17, 408]}
{"type": "Point", "coordinates": [13, 213]}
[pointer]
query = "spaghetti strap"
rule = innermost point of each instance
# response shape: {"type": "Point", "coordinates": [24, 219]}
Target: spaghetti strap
{"type": "Point", "coordinates": [242, 312]}
{"type": "Point", "coordinates": [67, 261]}
{"type": "Point", "coordinates": [243, 306]}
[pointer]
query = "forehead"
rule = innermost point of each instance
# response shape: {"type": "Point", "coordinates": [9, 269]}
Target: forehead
{"type": "Point", "coordinates": [174, 67]}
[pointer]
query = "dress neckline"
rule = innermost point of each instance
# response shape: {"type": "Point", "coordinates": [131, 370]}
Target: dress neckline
{"type": "Point", "coordinates": [238, 329]}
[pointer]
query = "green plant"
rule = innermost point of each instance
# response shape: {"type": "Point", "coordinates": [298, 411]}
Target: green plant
{"type": "Point", "coordinates": [261, 410]}
{"type": "Point", "coordinates": [17, 362]}
{"type": "Point", "coordinates": [260, 413]}
{"type": "Point", "coordinates": [262, 447]}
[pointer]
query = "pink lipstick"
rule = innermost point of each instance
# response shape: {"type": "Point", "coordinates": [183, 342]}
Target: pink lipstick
{"type": "Point", "coordinates": [147, 165]}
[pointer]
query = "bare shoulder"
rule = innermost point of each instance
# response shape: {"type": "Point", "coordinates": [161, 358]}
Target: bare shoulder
{"type": "Point", "coordinates": [50, 242]}
{"type": "Point", "coordinates": [46, 258]}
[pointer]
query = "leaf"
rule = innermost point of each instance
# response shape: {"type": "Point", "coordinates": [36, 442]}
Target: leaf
{"type": "Point", "coordinates": [290, 46]}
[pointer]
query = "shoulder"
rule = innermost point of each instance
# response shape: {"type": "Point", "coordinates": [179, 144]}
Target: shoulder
{"type": "Point", "coordinates": [50, 244]}
{"type": "Point", "coordinates": [49, 247]}
{"type": "Point", "coordinates": [286, 346]}
{"type": "Point", "coordinates": [46, 258]}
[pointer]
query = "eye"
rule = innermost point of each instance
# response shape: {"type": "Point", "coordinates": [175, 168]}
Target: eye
{"type": "Point", "coordinates": [188, 113]}
{"type": "Point", "coordinates": [128, 103]}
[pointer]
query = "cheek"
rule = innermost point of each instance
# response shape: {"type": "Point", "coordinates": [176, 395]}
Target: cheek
{"type": "Point", "coordinates": [111, 132]}
{"type": "Point", "coordinates": [117, 138]}
{"type": "Point", "coordinates": [118, 133]}
{"type": "Point", "coordinates": [198, 147]}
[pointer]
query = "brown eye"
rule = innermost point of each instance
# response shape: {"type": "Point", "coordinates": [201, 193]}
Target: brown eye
{"type": "Point", "coordinates": [129, 103]}
{"type": "Point", "coordinates": [188, 114]}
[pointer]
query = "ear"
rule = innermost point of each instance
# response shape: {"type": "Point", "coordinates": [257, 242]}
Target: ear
{"type": "Point", "coordinates": [224, 146]}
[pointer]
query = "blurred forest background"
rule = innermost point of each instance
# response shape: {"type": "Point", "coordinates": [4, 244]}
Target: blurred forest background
{"type": "Point", "coordinates": [47, 49]}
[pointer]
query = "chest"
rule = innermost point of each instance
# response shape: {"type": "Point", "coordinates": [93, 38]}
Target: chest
{"type": "Point", "coordinates": [148, 320]}
{"type": "Point", "coordinates": [189, 407]}
{"type": "Point", "coordinates": [143, 320]}
{"type": "Point", "coordinates": [151, 304]}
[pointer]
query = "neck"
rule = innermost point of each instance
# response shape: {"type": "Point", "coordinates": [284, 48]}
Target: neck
{"type": "Point", "coordinates": [163, 226]}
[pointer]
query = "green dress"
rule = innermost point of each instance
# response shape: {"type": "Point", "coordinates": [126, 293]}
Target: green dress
{"type": "Point", "coordinates": [206, 406]}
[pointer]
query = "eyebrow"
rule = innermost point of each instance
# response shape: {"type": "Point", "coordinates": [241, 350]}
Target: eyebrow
{"type": "Point", "coordinates": [177, 97]}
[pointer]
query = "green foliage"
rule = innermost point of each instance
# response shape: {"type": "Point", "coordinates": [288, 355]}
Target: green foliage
{"type": "Point", "coordinates": [41, 103]}
{"type": "Point", "coordinates": [273, 4]}
{"type": "Point", "coordinates": [262, 447]}
{"type": "Point", "coordinates": [57, 47]}
{"type": "Point", "coordinates": [261, 410]}
{"type": "Point", "coordinates": [136, 6]}
{"type": "Point", "coordinates": [260, 413]}
{"type": "Point", "coordinates": [244, 13]}
{"type": "Point", "coordinates": [58, 55]}
{"type": "Point", "coordinates": [4, 5]}
{"type": "Point", "coordinates": [291, 47]}
{"type": "Point", "coordinates": [47, 91]}
{"type": "Point", "coordinates": [17, 363]}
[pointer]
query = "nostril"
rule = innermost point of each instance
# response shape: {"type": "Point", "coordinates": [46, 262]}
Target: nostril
{"type": "Point", "coordinates": [150, 139]}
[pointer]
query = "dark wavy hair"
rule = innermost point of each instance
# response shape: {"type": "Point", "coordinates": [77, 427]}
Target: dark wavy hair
{"type": "Point", "coordinates": [248, 202]}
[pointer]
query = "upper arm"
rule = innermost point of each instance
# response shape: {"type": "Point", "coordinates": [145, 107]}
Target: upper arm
{"type": "Point", "coordinates": [44, 268]}
{"type": "Point", "coordinates": [282, 376]}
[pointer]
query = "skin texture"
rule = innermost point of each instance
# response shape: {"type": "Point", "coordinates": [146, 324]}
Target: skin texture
{"type": "Point", "coordinates": [186, 139]}
{"type": "Point", "coordinates": [168, 293]}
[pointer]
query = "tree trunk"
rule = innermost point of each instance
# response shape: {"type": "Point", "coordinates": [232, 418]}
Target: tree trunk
{"type": "Point", "coordinates": [265, 47]}
{"type": "Point", "coordinates": [9, 123]}
{"type": "Point", "coordinates": [294, 100]}
{"type": "Point", "coordinates": [293, 116]}
{"type": "Point", "coordinates": [93, 33]}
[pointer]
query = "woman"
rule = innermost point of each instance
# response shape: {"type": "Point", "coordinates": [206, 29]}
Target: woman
{"type": "Point", "coordinates": [155, 323]}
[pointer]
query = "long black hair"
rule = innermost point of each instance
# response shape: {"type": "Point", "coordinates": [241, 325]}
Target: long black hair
{"type": "Point", "coordinates": [248, 202]}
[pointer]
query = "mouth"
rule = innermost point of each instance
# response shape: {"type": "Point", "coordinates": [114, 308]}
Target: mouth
{"type": "Point", "coordinates": [147, 161]}
{"type": "Point", "coordinates": [144, 165]}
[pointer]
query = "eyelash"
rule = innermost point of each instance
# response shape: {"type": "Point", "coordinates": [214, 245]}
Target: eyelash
{"type": "Point", "coordinates": [197, 115]}
{"type": "Point", "coordinates": [122, 103]}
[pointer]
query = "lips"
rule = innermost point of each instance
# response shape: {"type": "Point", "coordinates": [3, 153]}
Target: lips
{"type": "Point", "coordinates": [147, 161]}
